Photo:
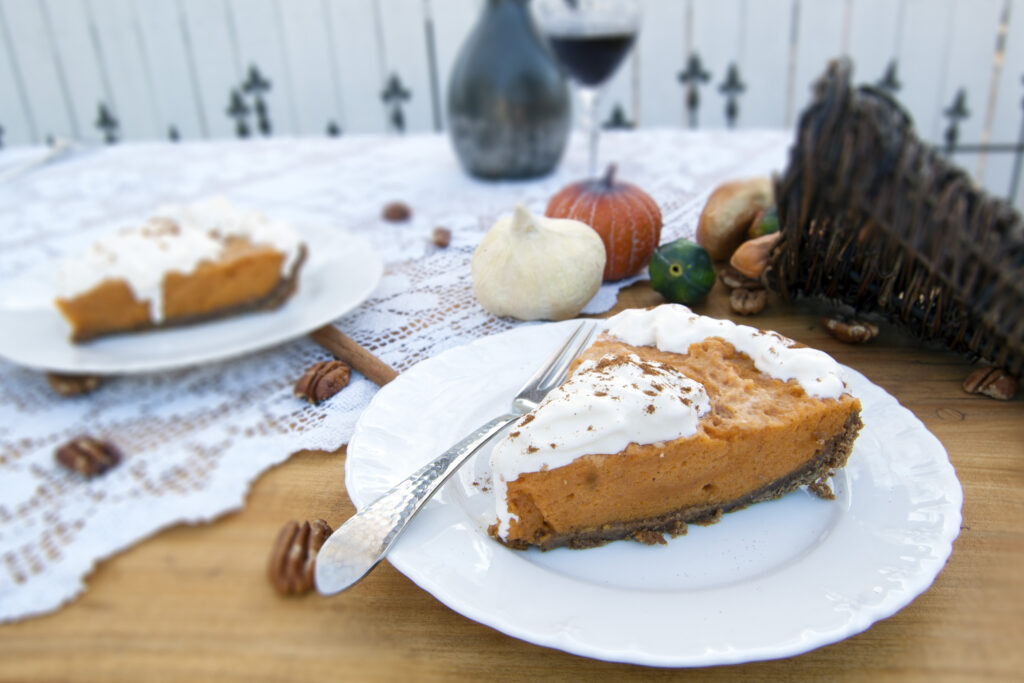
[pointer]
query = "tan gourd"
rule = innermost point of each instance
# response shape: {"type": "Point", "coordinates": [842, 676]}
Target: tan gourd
{"type": "Point", "coordinates": [536, 268]}
{"type": "Point", "coordinates": [730, 210]}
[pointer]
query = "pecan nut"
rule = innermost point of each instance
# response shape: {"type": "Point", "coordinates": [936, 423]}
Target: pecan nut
{"type": "Point", "coordinates": [396, 212]}
{"type": "Point", "coordinates": [293, 557]}
{"type": "Point", "coordinates": [72, 385]}
{"type": "Point", "coordinates": [748, 300]}
{"type": "Point", "coordinates": [322, 380]}
{"type": "Point", "coordinates": [88, 456]}
{"type": "Point", "coordinates": [991, 382]}
{"type": "Point", "coordinates": [733, 278]}
{"type": "Point", "coordinates": [441, 237]}
{"type": "Point", "coordinates": [850, 331]}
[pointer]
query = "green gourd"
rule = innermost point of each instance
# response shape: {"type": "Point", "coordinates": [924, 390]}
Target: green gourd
{"type": "Point", "coordinates": [765, 223]}
{"type": "Point", "coordinates": [681, 271]}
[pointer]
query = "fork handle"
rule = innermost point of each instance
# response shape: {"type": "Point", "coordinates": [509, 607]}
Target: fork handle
{"type": "Point", "coordinates": [361, 542]}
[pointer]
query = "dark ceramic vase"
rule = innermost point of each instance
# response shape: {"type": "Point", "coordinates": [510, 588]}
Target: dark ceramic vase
{"type": "Point", "coordinates": [508, 101]}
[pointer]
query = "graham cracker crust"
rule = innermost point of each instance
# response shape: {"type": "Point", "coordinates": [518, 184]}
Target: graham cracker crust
{"type": "Point", "coordinates": [651, 531]}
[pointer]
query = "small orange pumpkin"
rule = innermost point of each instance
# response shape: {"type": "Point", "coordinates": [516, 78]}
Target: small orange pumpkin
{"type": "Point", "coordinates": [627, 219]}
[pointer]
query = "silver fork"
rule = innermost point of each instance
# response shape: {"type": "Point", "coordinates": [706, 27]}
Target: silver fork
{"type": "Point", "coordinates": [363, 541]}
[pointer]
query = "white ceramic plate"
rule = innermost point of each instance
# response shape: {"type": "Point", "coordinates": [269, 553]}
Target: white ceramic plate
{"type": "Point", "coordinates": [774, 580]}
{"type": "Point", "coordinates": [341, 270]}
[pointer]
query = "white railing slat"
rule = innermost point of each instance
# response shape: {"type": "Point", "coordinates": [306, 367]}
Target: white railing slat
{"type": "Point", "coordinates": [875, 28]}
{"type": "Point", "coordinates": [927, 27]}
{"type": "Point", "coordinates": [358, 65]}
{"type": "Point", "coordinates": [405, 50]}
{"type": "Point", "coordinates": [212, 61]}
{"type": "Point", "coordinates": [122, 66]}
{"type": "Point", "coordinates": [174, 89]}
{"type": "Point", "coordinates": [762, 42]}
{"type": "Point", "coordinates": [1008, 123]}
{"type": "Point", "coordinates": [1008, 108]}
{"type": "Point", "coordinates": [15, 116]}
{"type": "Point", "coordinates": [820, 37]}
{"type": "Point", "coordinates": [33, 59]}
{"type": "Point", "coordinates": [970, 54]}
{"type": "Point", "coordinates": [73, 51]}
{"type": "Point", "coordinates": [662, 54]}
{"type": "Point", "coordinates": [308, 57]}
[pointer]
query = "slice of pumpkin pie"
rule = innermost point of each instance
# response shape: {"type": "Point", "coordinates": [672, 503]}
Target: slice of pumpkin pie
{"type": "Point", "coordinates": [185, 264]}
{"type": "Point", "coordinates": [670, 418]}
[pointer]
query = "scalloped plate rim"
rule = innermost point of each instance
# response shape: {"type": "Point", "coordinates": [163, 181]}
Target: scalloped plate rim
{"type": "Point", "coordinates": [444, 521]}
{"type": "Point", "coordinates": [341, 272]}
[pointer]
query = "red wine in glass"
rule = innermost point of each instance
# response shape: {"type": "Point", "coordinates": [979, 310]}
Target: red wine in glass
{"type": "Point", "coordinates": [590, 38]}
{"type": "Point", "coordinates": [591, 59]}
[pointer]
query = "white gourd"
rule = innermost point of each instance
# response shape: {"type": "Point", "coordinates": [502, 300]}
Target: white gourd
{"type": "Point", "coordinates": [537, 268]}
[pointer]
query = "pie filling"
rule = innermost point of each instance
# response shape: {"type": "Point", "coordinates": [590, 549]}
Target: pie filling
{"type": "Point", "coordinates": [642, 440]}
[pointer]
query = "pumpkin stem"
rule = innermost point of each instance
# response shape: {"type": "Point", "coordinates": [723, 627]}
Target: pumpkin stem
{"type": "Point", "coordinates": [609, 175]}
{"type": "Point", "coordinates": [522, 219]}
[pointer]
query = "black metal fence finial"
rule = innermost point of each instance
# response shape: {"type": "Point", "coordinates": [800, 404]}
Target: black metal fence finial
{"type": "Point", "coordinates": [256, 85]}
{"type": "Point", "coordinates": [239, 111]}
{"type": "Point", "coordinates": [106, 122]}
{"type": "Point", "coordinates": [393, 95]}
{"type": "Point", "coordinates": [890, 82]}
{"type": "Point", "coordinates": [956, 112]}
{"type": "Point", "coordinates": [692, 77]}
{"type": "Point", "coordinates": [618, 119]}
{"type": "Point", "coordinates": [732, 87]}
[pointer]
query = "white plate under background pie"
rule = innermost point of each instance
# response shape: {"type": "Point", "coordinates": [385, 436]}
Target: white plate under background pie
{"type": "Point", "coordinates": [340, 272]}
{"type": "Point", "coordinates": [774, 580]}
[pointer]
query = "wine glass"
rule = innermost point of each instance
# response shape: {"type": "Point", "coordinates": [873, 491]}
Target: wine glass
{"type": "Point", "coordinates": [590, 38]}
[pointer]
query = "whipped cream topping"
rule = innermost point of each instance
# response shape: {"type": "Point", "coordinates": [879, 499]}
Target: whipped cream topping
{"type": "Point", "coordinates": [674, 327]}
{"type": "Point", "coordinates": [601, 409]}
{"type": "Point", "coordinates": [175, 239]}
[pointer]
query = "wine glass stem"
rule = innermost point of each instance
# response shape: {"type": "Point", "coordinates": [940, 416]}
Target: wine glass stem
{"type": "Point", "coordinates": [588, 99]}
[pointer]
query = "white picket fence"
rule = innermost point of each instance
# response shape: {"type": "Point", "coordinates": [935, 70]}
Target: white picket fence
{"type": "Point", "coordinates": [159, 66]}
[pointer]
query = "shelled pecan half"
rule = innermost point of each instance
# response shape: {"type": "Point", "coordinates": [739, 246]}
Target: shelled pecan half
{"type": "Point", "coordinates": [991, 382]}
{"type": "Point", "coordinates": [88, 456]}
{"type": "Point", "coordinates": [322, 380]}
{"type": "Point", "coordinates": [850, 331]}
{"type": "Point", "coordinates": [72, 385]}
{"type": "Point", "coordinates": [732, 278]}
{"type": "Point", "coordinates": [748, 301]}
{"type": "Point", "coordinates": [293, 557]}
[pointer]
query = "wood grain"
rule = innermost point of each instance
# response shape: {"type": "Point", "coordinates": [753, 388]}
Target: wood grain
{"type": "Point", "coordinates": [193, 603]}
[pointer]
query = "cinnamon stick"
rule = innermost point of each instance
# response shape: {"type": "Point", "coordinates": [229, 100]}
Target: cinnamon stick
{"type": "Point", "coordinates": [345, 348]}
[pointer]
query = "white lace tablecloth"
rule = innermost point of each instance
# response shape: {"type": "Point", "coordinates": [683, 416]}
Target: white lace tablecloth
{"type": "Point", "coordinates": [195, 439]}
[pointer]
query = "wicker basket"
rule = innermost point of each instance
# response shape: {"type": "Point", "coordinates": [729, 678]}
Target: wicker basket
{"type": "Point", "coordinates": [875, 219]}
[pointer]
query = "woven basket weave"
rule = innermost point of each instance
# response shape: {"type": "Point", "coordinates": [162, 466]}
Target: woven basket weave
{"type": "Point", "coordinates": [873, 218]}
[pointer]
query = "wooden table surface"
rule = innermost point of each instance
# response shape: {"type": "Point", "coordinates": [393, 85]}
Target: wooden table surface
{"type": "Point", "coordinates": [193, 603]}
